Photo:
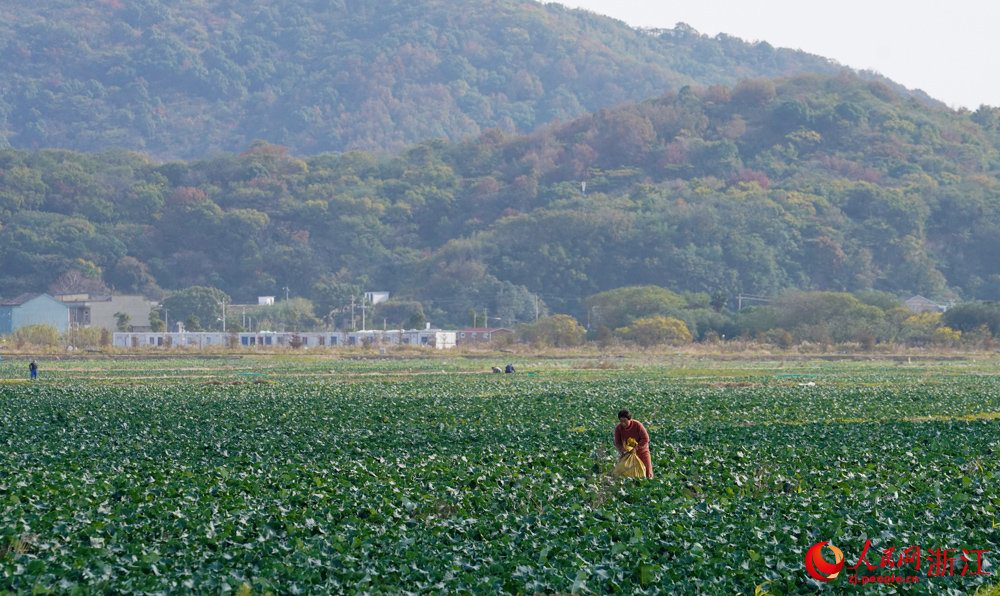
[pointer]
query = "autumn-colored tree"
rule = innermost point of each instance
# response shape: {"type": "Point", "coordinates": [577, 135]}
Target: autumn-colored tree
{"type": "Point", "coordinates": [75, 281]}
{"type": "Point", "coordinates": [754, 92]}
{"type": "Point", "coordinates": [656, 331]}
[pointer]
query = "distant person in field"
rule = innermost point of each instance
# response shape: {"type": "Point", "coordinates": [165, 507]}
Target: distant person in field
{"type": "Point", "coordinates": [509, 369]}
{"type": "Point", "coordinates": [496, 369]}
{"type": "Point", "coordinates": [33, 367]}
{"type": "Point", "coordinates": [633, 429]}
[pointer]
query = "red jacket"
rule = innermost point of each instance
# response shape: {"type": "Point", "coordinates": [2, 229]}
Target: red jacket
{"type": "Point", "coordinates": [638, 432]}
{"type": "Point", "coordinates": [635, 431]}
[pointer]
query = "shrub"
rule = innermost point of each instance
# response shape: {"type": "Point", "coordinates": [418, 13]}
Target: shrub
{"type": "Point", "coordinates": [89, 337]}
{"type": "Point", "coordinates": [784, 339]}
{"type": "Point", "coordinates": [42, 336]}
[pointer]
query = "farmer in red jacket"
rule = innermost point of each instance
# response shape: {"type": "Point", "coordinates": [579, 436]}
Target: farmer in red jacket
{"type": "Point", "coordinates": [633, 429]}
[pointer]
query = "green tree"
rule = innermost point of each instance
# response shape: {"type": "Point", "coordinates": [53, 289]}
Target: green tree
{"type": "Point", "coordinates": [619, 307]}
{"type": "Point", "coordinates": [884, 300]}
{"type": "Point", "coordinates": [477, 319]}
{"type": "Point", "coordinates": [839, 316]}
{"type": "Point", "coordinates": [203, 302]}
{"type": "Point", "coordinates": [122, 321]}
{"type": "Point", "coordinates": [331, 297]}
{"type": "Point", "coordinates": [192, 323]}
{"type": "Point", "coordinates": [558, 331]}
{"type": "Point", "coordinates": [969, 316]}
{"type": "Point", "coordinates": [294, 314]}
{"type": "Point", "coordinates": [156, 324]}
{"type": "Point", "coordinates": [131, 276]}
{"type": "Point", "coordinates": [719, 300]}
{"type": "Point", "coordinates": [417, 320]}
{"type": "Point", "coordinates": [397, 313]}
{"type": "Point", "coordinates": [605, 337]}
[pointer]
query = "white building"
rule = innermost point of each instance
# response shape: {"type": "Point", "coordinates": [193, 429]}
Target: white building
{"type": "Point", "coordinates": [428, 338]}
{"type": "Point", "coordinates": [376, 297]}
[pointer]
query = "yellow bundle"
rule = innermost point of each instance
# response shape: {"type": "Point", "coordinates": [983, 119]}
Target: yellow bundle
{"type": "Point", "coordinates": [630, 466]}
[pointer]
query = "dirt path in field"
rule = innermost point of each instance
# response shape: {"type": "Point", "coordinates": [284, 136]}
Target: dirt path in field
{"type": "Point", "coordinates": [273, 375]}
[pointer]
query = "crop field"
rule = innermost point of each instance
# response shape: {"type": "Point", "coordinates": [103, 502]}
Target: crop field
{"type": "Point", "coordinates": [333, 476]}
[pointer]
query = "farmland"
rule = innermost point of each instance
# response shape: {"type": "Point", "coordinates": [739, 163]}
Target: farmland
{"type": "Point", "coordinates": [314, 476]}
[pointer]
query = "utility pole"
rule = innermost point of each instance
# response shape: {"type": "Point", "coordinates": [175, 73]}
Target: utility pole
{"type": "Point", "coordinates": [364, 307]}
{"type": "Point", "coordinates": [166, 319]}
{"type": "Point", "coordinates": [536, 308]}
{"type": "Point", "coordinates": [223, 304]}
{"type": "Point", "coordinates": [352, 311]}
{"type": "Point", "coordinates": [286, 293]}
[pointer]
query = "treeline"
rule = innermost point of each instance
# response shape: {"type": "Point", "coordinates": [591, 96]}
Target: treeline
{"type": "Point", "coordinates": [650, 316]}
{"type": "Point", "coordinates": [186, 79]}
{"type": "Point", "coordinates": [810, 183]}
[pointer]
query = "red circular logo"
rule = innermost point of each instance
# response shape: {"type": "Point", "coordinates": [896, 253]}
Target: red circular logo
{"type": "Point", "coordinates": [818, 567]}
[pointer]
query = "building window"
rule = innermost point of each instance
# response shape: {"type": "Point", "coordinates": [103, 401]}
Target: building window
{"type": "Point", "coordinates": [486, 335]}
{"type": "Point", "coordinates": [463, 335]}
{"type": "Point", "coordinates": [473, 336]}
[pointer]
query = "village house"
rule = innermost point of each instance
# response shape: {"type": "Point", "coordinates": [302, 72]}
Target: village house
{"type": "Point", "coordinates": [99, 312]}
{"type": "Point", "coordinates": [920, 304]}
{"type": "Point", "coordinates": [32, 309]}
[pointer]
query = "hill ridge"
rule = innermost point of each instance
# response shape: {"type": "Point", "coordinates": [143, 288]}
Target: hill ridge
{"type": "Point", "coordinates": [184, 79]}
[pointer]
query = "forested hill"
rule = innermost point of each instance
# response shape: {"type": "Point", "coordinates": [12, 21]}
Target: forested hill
{"type": "Point", "coordinates": [812, 182]}
{"type": "Point", "coordinates": [184, 78]}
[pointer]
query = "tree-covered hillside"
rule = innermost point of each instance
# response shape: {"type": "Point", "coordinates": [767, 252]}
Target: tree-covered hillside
{"type": "Point", "coordinates": [811, 182]}
{"type": "Point", "coordinates": [183, 79]}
